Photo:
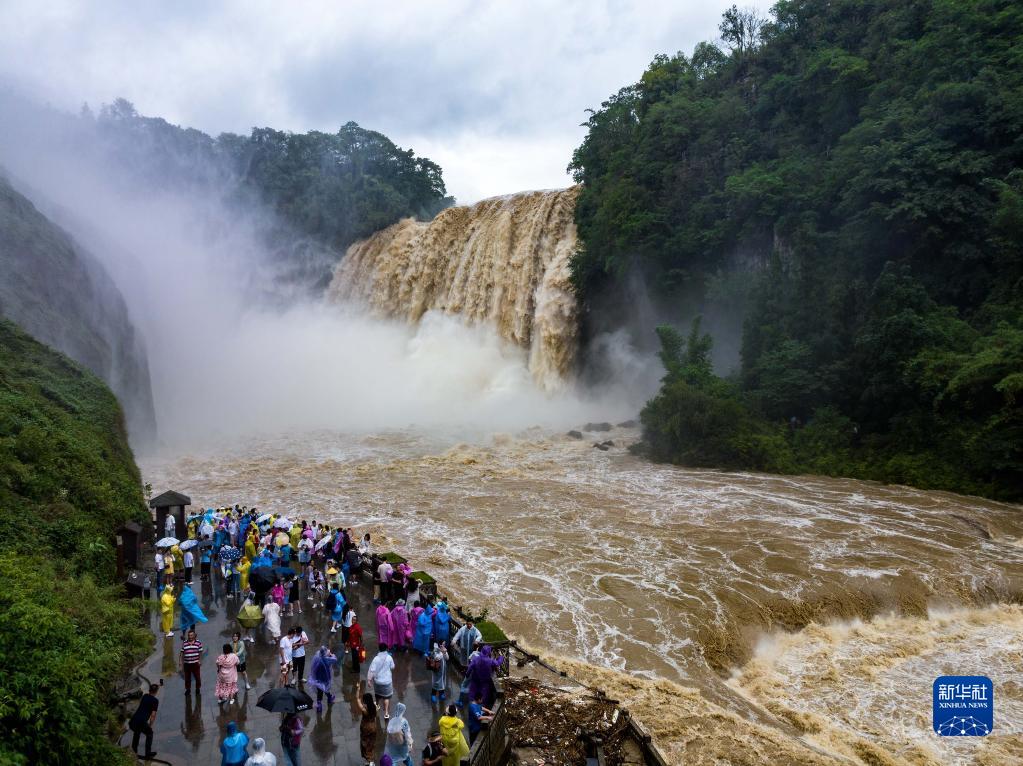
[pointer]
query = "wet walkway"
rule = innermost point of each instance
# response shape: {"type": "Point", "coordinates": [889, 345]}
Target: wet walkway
{"type": "Point", "coordinates": [190, 728]}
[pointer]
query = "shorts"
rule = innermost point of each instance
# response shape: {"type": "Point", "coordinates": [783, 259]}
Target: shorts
{"type": "Point", "coordinates": [241, 667]}
{"type": "Point", "coordinates": [383, 691]}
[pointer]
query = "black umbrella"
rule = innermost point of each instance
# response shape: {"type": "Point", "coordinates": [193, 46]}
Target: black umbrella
{"type": "Point", "coordinates": [262, 579]}
{"type": "Point", "coordinates": [284, 699]}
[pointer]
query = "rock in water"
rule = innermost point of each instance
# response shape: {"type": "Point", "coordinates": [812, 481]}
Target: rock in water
{"type": "Point", "coordinates": [61, 295]}
{"type": "Point", "coordinates": [575, 434]}
{"type": "Point", "coordinates": [597, 427]}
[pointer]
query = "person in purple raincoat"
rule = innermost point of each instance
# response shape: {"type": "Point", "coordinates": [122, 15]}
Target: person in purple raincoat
{"type": "Point", "coordinates": [399, 625]}
{"type": "Point", "coordinates": [321, 675]}
{"type": "Point", "coordinates": [481, 676]}
{"type": "Point", "coordinates": [385, 627]}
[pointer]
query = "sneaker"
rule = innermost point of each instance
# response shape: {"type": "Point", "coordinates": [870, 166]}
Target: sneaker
{"type": "Point", "coordinates": [170, 635]}
{"type": "Point", "coordinates": [433, 698]}
{"type": "Point", "coordinates": [248, 686]}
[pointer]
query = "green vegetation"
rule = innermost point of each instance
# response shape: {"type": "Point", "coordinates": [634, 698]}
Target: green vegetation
{"type": "Point", "coordinates": [393, 558]}
{"type": "Point", "coordinates": [491, 632]}
{"type": "Point", "coordinates": [67, 481]}
{"type": "Point", "coordinates": [330, 189]}
{"type": "Point", "coordinates": [857, 165]}
{"type": "Point", "coordinates": [424, 578]}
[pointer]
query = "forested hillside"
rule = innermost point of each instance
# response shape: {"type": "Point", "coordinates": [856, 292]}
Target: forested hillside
{"type": "Point", "coordinates": [859, 165]}
{"type": "Point", "coordinates": [309, 195]}
{"type": "Point", "coordinates": [67, 481]}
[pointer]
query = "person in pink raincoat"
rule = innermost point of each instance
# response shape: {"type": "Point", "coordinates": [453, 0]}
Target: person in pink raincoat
{"type": "Point", "coordinates": [385, 627]}
{"type": "Point", "coordinates": [400, 625]}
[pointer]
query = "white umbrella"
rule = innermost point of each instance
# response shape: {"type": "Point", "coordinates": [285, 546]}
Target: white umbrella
{"type": "Point", "coordinates": [282, 524]}
{"type": "Point", "coordinates": [188, 544]}
{"type": "Point", "coordinates": [167, 542]}
{"type": "Point", "coordinates": [264, 518]}
{"type": "Point", "coordinates": [322, 543]}
{"type": "Point", "coordinates": [305, 542]}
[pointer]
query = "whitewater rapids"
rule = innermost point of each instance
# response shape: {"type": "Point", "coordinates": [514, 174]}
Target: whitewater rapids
{"type": "Point", "coordinates": [745, 618]}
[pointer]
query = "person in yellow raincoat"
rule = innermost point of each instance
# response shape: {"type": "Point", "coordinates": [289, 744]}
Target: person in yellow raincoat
{"type": "Point", "coordinates": [193, 529]}
{"type": "Point", "coordinates": [451, 735]}
{"type": "Point", "coordinates": [250, 547]}
{"type": "Point", "coordinates": [179, 558]}
{"type": "Point", "coordinates": [167, 601]}
{"type": "Point", "coordinates": [243, 573]}
{"type": "Point", "coordinates": [294, 535]}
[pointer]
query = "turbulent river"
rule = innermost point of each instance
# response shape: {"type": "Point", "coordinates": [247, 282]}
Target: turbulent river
{"type": "Point", "coordinates": [745, 618]}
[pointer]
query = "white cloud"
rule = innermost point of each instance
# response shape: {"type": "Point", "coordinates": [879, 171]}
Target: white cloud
{"type": "Point", "coordinates": [493, 91]}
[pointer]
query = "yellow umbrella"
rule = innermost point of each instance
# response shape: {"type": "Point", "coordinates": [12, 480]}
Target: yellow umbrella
{"type": "Point", "coordinates": [282, 539]}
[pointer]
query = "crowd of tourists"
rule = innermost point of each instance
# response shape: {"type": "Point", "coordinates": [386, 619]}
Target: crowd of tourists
{"type": "Point", "coordinates": [277, 568]}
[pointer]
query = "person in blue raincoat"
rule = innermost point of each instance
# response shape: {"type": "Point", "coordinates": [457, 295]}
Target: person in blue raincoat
{"type": "Point", "coordinates": [442, 624]}
{"type": "Point", "coordinates": [191, 612]}
{"type": "Point", "coordinates": [424, 632]}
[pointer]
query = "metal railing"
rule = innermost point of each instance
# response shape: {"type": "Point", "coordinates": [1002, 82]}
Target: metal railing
{"type": "Point", "coordinates": [493, 742]}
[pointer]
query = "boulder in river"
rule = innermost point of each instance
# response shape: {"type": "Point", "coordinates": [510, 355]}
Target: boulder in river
{"type": "Point", "coordinates": [597, 427]}
{"type": "Point", "coordinates": [628, 424]}
{"type": "Point", "coordinates": [575, 434]}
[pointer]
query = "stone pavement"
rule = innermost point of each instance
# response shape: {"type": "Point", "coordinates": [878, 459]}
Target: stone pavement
{"type": "Point", "coordinates": [190, 728]}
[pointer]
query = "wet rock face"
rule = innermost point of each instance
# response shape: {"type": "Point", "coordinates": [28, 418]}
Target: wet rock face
{"type": "Point", "coordinates": [61, 295]}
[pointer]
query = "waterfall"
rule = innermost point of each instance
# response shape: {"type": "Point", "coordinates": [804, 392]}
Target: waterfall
{"type": "Point", "coordinates": [504, 261]}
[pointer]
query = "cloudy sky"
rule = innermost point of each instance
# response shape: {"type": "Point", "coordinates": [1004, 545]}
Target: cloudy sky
{"type": "Point", "coordinates": [493, 91]}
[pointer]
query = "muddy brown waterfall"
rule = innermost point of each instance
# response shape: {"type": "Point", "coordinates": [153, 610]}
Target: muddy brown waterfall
{"type": "Point", "coordinates": [503, 261]}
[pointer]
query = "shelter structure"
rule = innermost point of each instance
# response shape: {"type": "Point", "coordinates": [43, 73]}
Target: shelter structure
{"type": "Point", "coordinates": [174, 504]}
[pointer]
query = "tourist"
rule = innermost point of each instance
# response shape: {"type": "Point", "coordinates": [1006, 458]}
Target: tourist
{"type": "Point", "coordinates": [189, 563]}
{"type": "Point", "coordinates": [412, 597]}
{"type": "Point", "coordinates": [367, 725]}
{"type": "Point", "coordinates": [233, 748]}
{"type": "Point", "coordinates": [141, 722]}
{"type": "Point", "coordinates": [238, 647]}
{"type": "Point", "coordinates": [191, 612]}
{"type": "Point", "coordinates": [260, 756]}
{"type": "Point", "coordinates": [481, 675]}
{"type": "Point", "coordinates": [291, 738]}
{"type": "Point", "coordinates": [272, 619]}
{"type": "Point", "coordinates": [424, 632]}
{"type": "Point", "coordinates": [399, 740]}
{"type": "Point", "coordinates": [298, 644]}
{"type": "Point", "coordinates": [277, 594]}
{"type": "Point", "coordinates": [191, 659]}
{"type": "Point", "coordinates": [465, 639]}
{"type": "Point", "coordinates": [335, 606]}
{"type": "Point", "coordinates": [438, 664]}
{"type": "Point", "coordinates": [321, 676]}
{"type": "Point", "coordinates": [205, 556]}
{"type": "Point", "coordinates": [354, 644]}
{"type": "Point", "coordinates": [478, 715]}
{"type": "Point", "coordinates": [385, 627]}
{"type": "Point", "coordinates": [442, 623]}
{"type": "Point", "coordinates": [434, 752]}
{"type": "Point", "coordinates": [167, 602]}
{"type": "Point", "coordinates": [354, 561]}
{"type": "Point", "coordinates": [284, 652]}
{"type": "Point", "coordinates": [169, 527]}
{"type": "Point", "coordinates": [244, 566]}
{"type": "Point", "coordinates": [381, 679]}
{"type": "Point", "coordinates": [384, 572]}
{"type": "Point", "coordinates": [451, 735]}
{"type": "Point", "coordinates": [290, 596]}
{"type": "Point", "coordinates": [227, 676]}
{"type": "Point", "coordinates": [463, 692]}
{"type": "Point", "coordinates": [365, 547]}
{"type": "Point", "coordinates": [399, 626]}
{"type": "Point", "coordinates": [346, 623]}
